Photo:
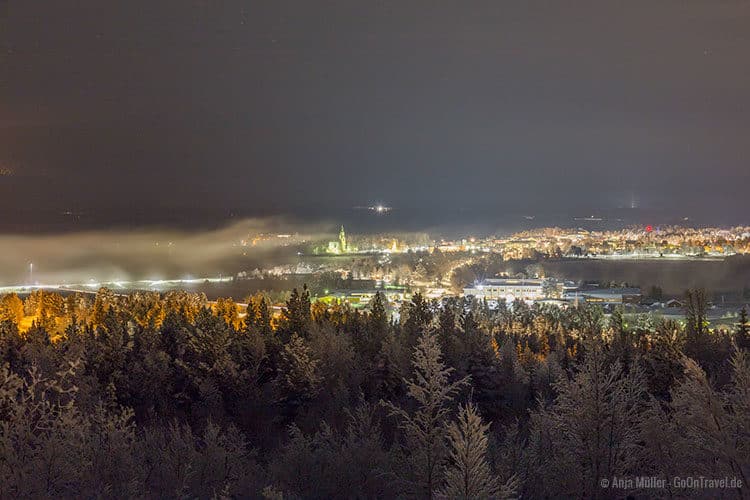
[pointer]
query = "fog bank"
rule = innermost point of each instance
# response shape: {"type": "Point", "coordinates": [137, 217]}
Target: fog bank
{"type": "Point", "coordinates": [151, 253]}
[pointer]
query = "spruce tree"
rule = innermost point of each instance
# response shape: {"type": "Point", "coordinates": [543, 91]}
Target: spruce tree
{"type": "Point", "coordinates": [378, 315]}
{"type": "Point", "coordinates": [258, 315]}
{"type": "Point", "coordinates": [298, 377]}
{"type": "Point", "coordinates": [590, 432]}
{"type": "Point", "coordinates": [423, 451]}
{"type": "Point", "coordinates": [11, 308]}
{"type": "Point", "coordinates": [468, 474]}
{"type": "Point", "coordinates": [711, 426]}
{"type": "Point", "coordinates": [418, 317]}
{"type": "Point", "coordinates": [743, 330]}
{"type": "Point", "coordinates": [297, 312]}
{"type": "Point", "coordinates": [368, 336]}
{"type": "Point", "coordinates": [695, 313]}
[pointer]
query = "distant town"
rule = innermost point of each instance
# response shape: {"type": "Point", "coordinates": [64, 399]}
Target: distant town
{"type": "Point", "coordinates": [351, 269]}
{"type": "Point", "coordinates": [633, 242]}
{"type": "Point", "coordinates": [641, 269]}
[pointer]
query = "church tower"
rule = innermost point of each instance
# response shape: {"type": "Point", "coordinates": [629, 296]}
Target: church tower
{"type": "Point", "coordinates": [342, 240]}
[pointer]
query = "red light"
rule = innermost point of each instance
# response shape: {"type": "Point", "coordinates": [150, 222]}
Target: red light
{"type": "Point", "coordinates": [649, 228]}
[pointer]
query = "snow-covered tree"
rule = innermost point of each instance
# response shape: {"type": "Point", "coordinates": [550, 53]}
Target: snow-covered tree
{"type": "Point", "coordinates": [468, 474]}
{"type": "Point", "coordinates": [422, 453]}
{"type": "Point", "coordinates": [712, 427]}
{"type": "Point", "coordinates": [590, 431]}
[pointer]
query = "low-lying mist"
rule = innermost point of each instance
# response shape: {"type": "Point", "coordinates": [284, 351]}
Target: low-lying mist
{"type": "Point", "coordinates": [672, 276]}
{"type": "Point", "coordinates": [127, 255]}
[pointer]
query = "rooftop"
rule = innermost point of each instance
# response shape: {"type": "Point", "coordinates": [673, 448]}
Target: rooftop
{"type": "Point", "coordinates": [511, 281]}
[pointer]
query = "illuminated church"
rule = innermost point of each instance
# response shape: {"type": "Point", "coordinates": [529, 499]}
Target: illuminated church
{"type": "Point", "coordinates": [339, 246]}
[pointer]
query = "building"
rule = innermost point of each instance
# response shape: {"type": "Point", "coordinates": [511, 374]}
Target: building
{"type": "Point", "coordinates": [339, 246]}
{"type": "Point", "coordinates": [611, 296]}
{"type": "Point", "coordinates": [510, 289]}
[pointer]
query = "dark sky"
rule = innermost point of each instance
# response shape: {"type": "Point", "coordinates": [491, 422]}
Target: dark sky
{"type": "Point", "coordinates": [195, 107]}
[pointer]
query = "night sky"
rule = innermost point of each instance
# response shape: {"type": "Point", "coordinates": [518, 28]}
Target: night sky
{"type": "Point", "coordinates": [156, 111]}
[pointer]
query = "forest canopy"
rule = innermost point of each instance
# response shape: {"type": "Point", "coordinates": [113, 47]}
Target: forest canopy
{"type": "Point", "coordinates": [168, 395]}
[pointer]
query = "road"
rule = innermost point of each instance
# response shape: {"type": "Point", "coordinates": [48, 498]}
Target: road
{"type": "Point", "coordinates": [93, 286]}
